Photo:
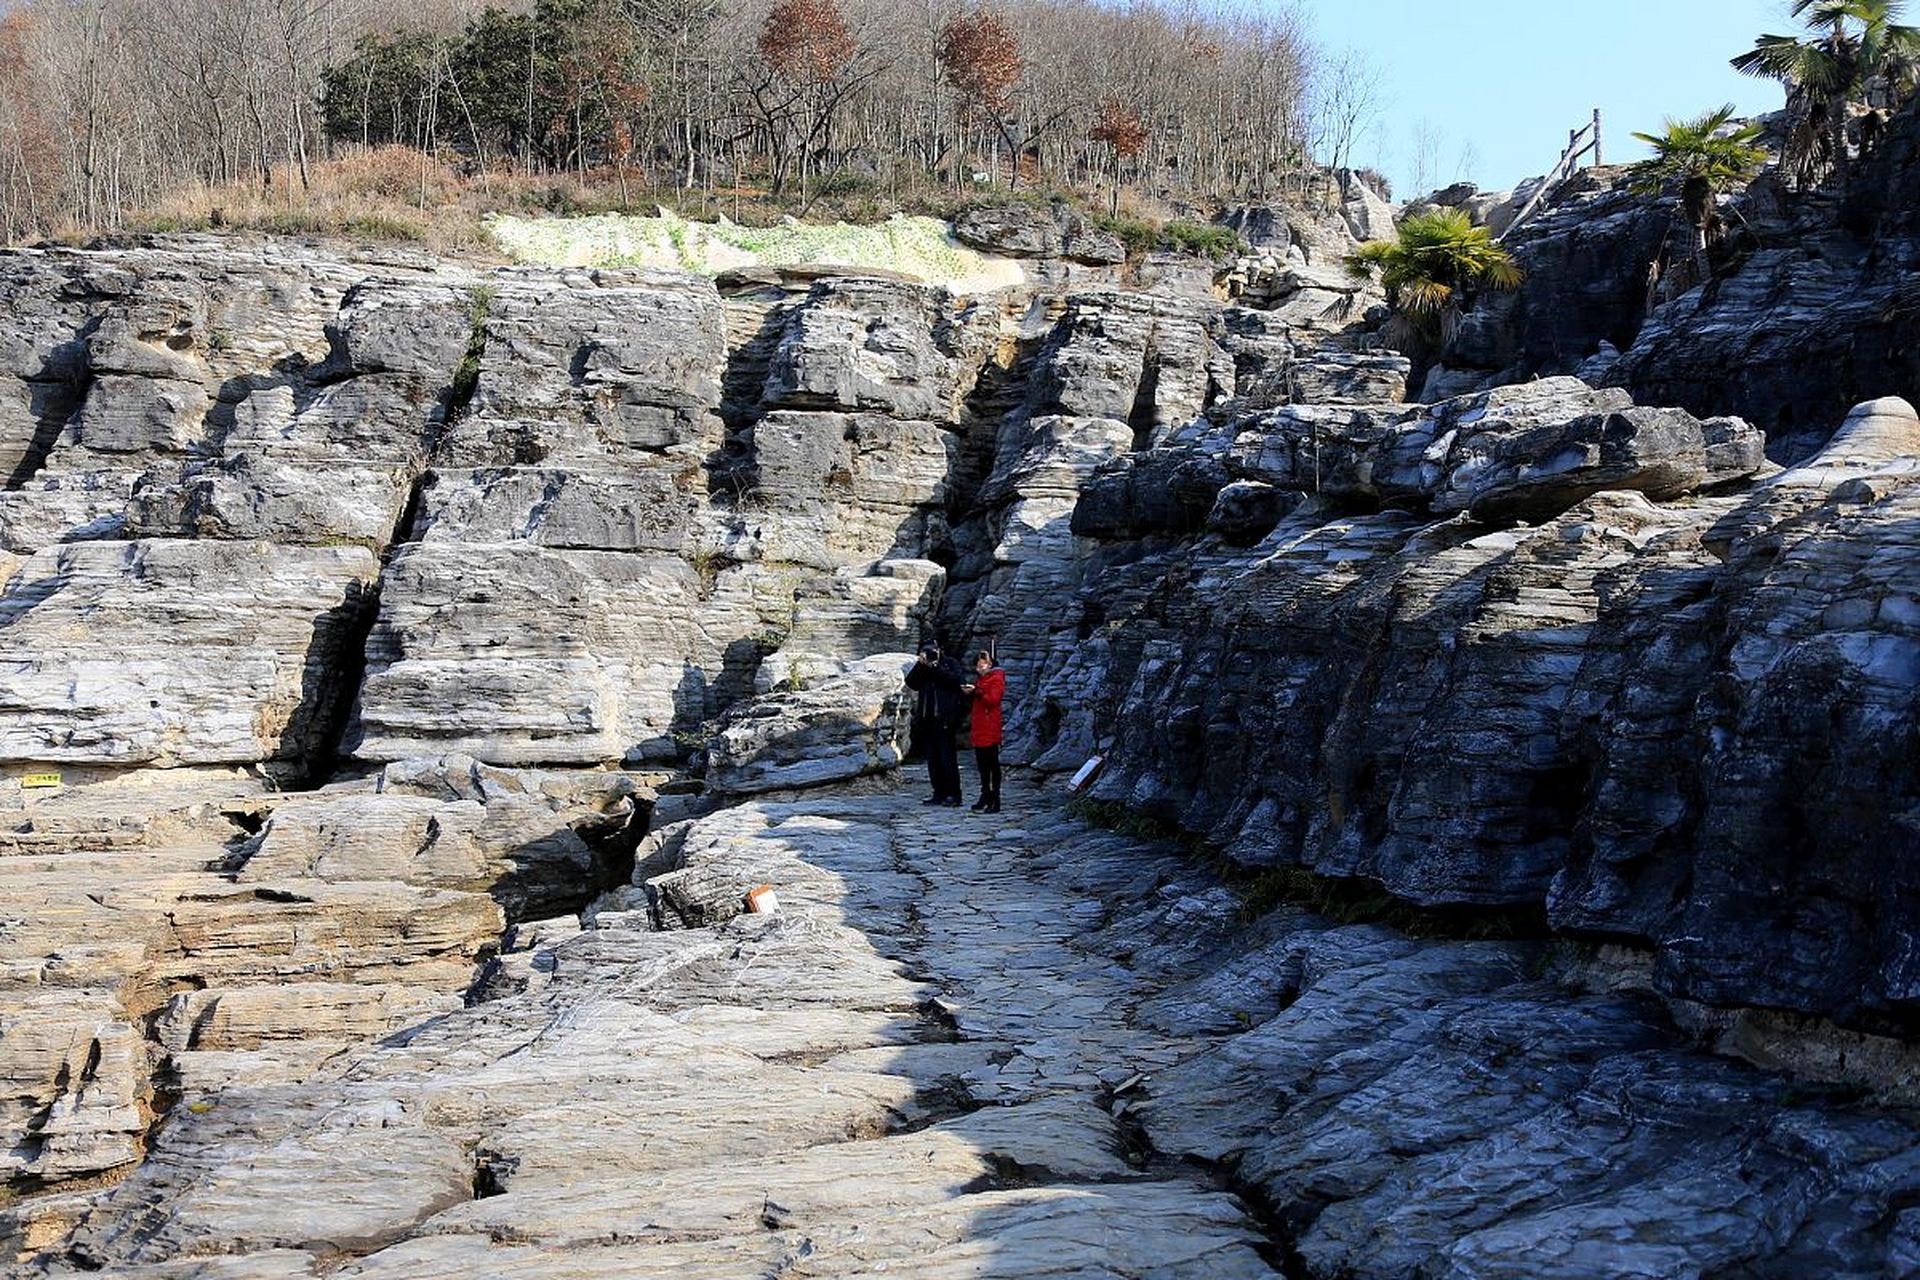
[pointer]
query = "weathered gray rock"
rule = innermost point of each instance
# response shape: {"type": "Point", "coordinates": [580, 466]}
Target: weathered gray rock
{"type": "Point", "coordinates": [1369, 217]}
{"type": "Point", "coordinates": [1034, 231]}
{"type": "Point", "coordinates": [533, 843]}
{"type": "Point", "coordinates": [176, 652]}
{"type": "Point", "coordinates": [1585, 256]}
{"type": "Point", "coordinates": [815, 728]}
{"type": "Point", "coordinates": [254, 368]}
{"type": "Point", "coordinates": [607, 508]}
{"type": "Point", "coordinates": [598, 365]}
{"type": "Point", "coordinates": [1515, 451]}
{"type": "Point", "coordinates": [858, 345]}
{"type": "Point", "coordinates": [150, 947]}
{"type": "Point", "coordinates": [1567, 673]}
{"type": "Point", "coordinates": [1499, 656]}
{"type": "Point", "coordinates": [458, 662]}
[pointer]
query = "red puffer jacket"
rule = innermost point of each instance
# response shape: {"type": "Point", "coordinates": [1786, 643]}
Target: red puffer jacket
{"type": "Point", "coordinates": [985, 730]}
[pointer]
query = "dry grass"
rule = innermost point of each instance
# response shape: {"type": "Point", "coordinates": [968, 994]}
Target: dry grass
{"type": "Point", "coordinates": [372, 194]}
{"type": "Point", "coordinates": [396, 194]}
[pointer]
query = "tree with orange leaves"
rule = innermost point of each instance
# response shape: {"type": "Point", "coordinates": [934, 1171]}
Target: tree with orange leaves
{"type": "Point", "coordinates": [980, 55]}
{"type": "Point", "coordinates": [807, 41]}
{"type": "Point", "coordinates": [812, 66]}
{"type": "Point", "coordinates": [1120, 129]}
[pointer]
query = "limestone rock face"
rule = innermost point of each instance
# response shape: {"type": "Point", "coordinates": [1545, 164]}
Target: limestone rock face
{"type": "Point", "coordinates": [174, 652]}
{"type": "Point", "coordinates": [151, 942]}
{"type": "Point", "coordinates": [196, 388]}
{"type": "Point", "coordinates": [602, 562]}
{"type": "Point", "coordinates": [1585, 256]}
{"type": "Point", "coordinates": [1369, 217]}
{"type": "Point", "coordinates": [1621, 691]}
{"type": "Point", "coordinates": [345, 599]}
{"type": "Point", "coordinates": [872, 345]}
{"type": "Point", "coordinates": [587, 365]}
{"type": "Point", "coordinates": [1515, 451]}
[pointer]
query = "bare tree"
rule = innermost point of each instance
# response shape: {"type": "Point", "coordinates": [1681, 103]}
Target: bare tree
{"type": "Point", "coordinates": [1424, 141]}
{"type": "Point", "coordinates": [1347, 101]}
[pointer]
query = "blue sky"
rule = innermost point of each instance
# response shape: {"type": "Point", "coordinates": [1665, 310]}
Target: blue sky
{"type": "Point", "coordinates": [1500, 82]}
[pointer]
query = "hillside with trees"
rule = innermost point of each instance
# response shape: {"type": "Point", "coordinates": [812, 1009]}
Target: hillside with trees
{"type": "Point", "coordinates": [109, 108]}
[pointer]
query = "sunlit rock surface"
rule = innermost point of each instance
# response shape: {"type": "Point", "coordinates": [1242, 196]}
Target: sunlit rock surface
{"type": "Point", "coordinates": [407, 671]}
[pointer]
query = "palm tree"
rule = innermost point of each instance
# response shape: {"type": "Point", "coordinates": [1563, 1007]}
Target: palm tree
{"type": "Point", "coordinates": [1706, 156]}
{"type": "Point", "coordinates": [1851, 44]}
{"type": "Point", "coordinates": [1436, 258]}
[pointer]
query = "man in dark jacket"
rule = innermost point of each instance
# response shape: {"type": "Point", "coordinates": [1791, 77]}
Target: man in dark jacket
{"type": "Point", "coordinates": [937, 679]}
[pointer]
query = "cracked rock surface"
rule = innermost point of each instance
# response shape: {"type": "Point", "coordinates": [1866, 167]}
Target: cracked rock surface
{"type": "Point", "coordinates": [1009, 1046]}
{"type": "Point", "coordinates": [911, 1066]}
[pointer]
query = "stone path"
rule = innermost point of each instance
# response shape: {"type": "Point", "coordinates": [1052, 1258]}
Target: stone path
{"type": "Point", "coordinates": [1000, 1047]}
{"type": "Point", "coordinates": [911, 1069]}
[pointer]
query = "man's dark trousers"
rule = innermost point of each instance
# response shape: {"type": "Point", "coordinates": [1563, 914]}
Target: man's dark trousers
{"type": "Point", "coordinates": [943, 760]}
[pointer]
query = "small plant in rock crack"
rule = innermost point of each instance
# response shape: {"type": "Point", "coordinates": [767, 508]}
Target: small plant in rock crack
{"type": "Point", "coordinates": [1119, 819]}
{"type": "Point", "coordinates": [691, 741]}
{"type": "Point", "coordinates": [709, 564]}
{"type": "Point", "coordinates": [466, 378]}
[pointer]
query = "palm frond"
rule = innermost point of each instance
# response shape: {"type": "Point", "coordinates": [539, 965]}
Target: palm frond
{"type": "Point", "coordinates": [1425, 267]}
{"type": "Point", "coordinates": [1792, 61]}
{"type": "Point", "coordinates": [1425, 298]}
{"type": "Point", "coordinates": [1502, 275]}
{"type": "Point", "coordinates": [1708, 147]}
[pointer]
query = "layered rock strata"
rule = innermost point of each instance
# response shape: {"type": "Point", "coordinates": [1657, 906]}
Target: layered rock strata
{"type": "Point", "coordinates": [471, 548]}
{"type": "Point", "coordinates": [969, 1048]}
{"type": "Point", "coordinates": [1688, 723]}
{"type": "Point", "coordinates": [275, 509]}
{"type": "Point", "coordinates": [153, 949]}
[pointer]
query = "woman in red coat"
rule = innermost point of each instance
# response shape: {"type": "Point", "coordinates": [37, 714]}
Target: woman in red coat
{"type": "Point", "coordinates": [988, 688]}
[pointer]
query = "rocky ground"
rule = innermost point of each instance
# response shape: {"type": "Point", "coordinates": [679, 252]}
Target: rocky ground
{"type": "Point", "coordinates": [1004, 1046]}
{"type": "Point", "coordinates": [391, 654]}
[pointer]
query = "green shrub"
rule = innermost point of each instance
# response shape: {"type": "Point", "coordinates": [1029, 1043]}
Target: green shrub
{"type": "Point", "coordinates": [1137, 234]}
{"type": "Point", "coordinates": [466, 378]}
{"type": "Point", "coordinates": [1202, 239]}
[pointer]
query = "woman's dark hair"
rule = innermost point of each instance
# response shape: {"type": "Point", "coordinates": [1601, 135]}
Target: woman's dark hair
{"type": "Point", "coordinates": [984, 653]}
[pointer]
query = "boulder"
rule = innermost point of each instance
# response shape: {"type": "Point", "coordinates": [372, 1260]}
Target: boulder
{"type": "Point", "coordinates": [1246, 511]}
{"type": "Point", "coordinates": [1515, 452]}
{"type": "Point", "coordinates": [1368, 215]}
{"type": "Point", "coordinates": [1018, 230]}
{"type": "Point", "coordinates": [1013, 229]}
{"type": "Point", "coordinates": [824, 726]}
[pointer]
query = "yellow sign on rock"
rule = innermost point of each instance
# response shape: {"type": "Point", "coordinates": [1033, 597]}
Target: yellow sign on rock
{"type": "Point", "coordinates": [41, 780]}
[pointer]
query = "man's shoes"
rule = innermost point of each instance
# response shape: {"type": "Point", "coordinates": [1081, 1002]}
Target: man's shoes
{"type": "Point", "coordinates": [993, 806]}
{"type": "Point", "coordinates": [951, 802]}
{"type": "Point", "coordinates": [979, 804]}
{"type": "Point", "coordinates": [934, 800]}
